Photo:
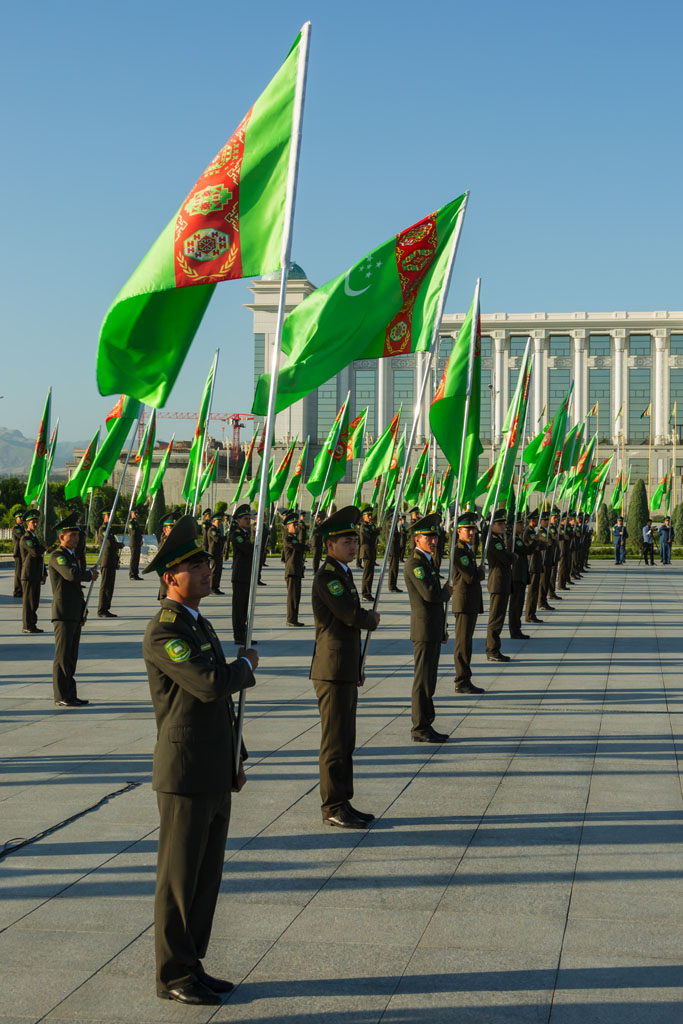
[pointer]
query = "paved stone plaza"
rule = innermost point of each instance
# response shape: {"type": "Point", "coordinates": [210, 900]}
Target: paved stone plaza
{"type": "Point", "coordinates": [527, 871]}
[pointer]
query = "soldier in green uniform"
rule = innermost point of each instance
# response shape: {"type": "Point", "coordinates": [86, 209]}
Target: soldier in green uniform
{"type": "Point", "coordinates": [18, 531]}
{"type": "Point", "coordinates": [135, 545]}
{"type": "Point", "coordinates": [535, 567]}
{"type": "Point", "coordinates": [33, 572]}
{"type": "Point", "coordinates": [216, 543]}
{"type": "Point", "coordinates": [109, 563]}
{"type": "Point", "coordinates": [394, 544]}
{"type": "Point", "coordinates": [68, 608]}
{"type": "Point", "coordinates": [293, 551]}
{"type": "Point", "coordinates": [546, 542]}
{"type": "Point", "coordinates": [167, 524]}
{"type": "Point", "coordinates": [522, 549]}
{"type": "Point", "coordinates": [428, 597]}
{"type": "Point", "coordinates": [317, 541]}
{"type": "Point", "coordinates": [242, 557]}
{"type": "Point", "coordinates": [554, 533]}
{"type": "Point", "coordinates": [467, 601]}
{"type": "Point", "coordinates": [206, 526]}
{"type": "Point", "coordinates": [302, 532]}
{"type": "Point", "coordinates": [499, 583]}
{"type": "Point", "coordinates": [194, 765]}
{"type": "Point", "coordinates": [368, 550]}
{"type": "Point", "coordinates": [336, 667]}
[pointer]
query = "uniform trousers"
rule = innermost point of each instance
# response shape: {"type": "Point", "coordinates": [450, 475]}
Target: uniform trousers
{"type": "Point", "coordinates": [532, 594]}
{"type": "Point", "coordinates": [107, 581]}
{"type": "Point", "coordinates": [546, 583]}
{"type": "Point", "coordinates": [464, 631]}
{"type": "Point", "coordinates": [337, 706]}
{"type": "Point", "coordinates": [30, 601]}
{"type": "Point", "coordinates": [393, 572]}
{"type": "Point", "coordinates": [293, 598]}
{"type": "Point", "coordinates": [317, 557]}
{"type": "Point", "coordinates": [17, 576]}
{"type": "Point", "coordinates": [562, 574]}
{"type": "Point", "coordinates": [216, 572]}
{"type": "Point", "coordinates": [192, 833]}
{"type": "Point", "coordinates": [516, 607]}
{"type": "Point", "coordinates": [368, 576]}
{"type": "Point", "coordinates": [67, 639]}
{"type": "Point", "coordinates": [427, 655]}
{"type": "Point", "coordinates": [240, 607]}
{"type": "Point", "coordinates": [134, 567]}
{"type": "Point", "coordinates": [498, 604]}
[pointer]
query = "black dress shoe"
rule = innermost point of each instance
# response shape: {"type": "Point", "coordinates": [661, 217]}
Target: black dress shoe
{"type": "Point", "coordinates": [81, 703]}
{"type": "Point", "coordinates": [68, 703]}
{"type": "Point", "coordinates": [218, 593]}
{"type": "Point", "coordinates": [546, 608]}
{"type": "Point", "coordinates": [519, 636]}
{"type": "Point", "coordinates": [497, 657]}
{"type": "Point", "coordinates": [34, 630]}
{"type": "Point", "coordinates": [360, 814]}
{"type": "Point", "coordinates": [106, 615]}
{"type": "Point", "coordinates": [395, 590]}
{"type": "Point", "coordinates": [261, 583]}
{"type": "Point", "coordinates": [192, 993]}
{"type": "Point", "coordinates": [299, 624]}
{"type": "Point", "coordinates": [215, 984]}
{"type": "Point", "coordinates": [535, 618]}
{"type": "Point", "coordinates": [469, 687]}
{"type": "Point", "coordinates": [428, 736]}
{"type": "Point", "coordinates": [344, 818]}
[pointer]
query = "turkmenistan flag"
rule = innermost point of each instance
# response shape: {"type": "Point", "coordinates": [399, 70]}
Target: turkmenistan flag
{"type": "Point", "coordinates": [209, 476]}
{"type": "Point", "coordinates": [429, 495]}
{"type": "Point", "coordinates": [229, 226]}
{"type": "Point", "coordinates": [384, 305]}
{"type": "Point", "coordinates": [507, 456]}
{"type": "Point", "coordinates": [161, 469]}
{"type": "Point", "coordinates": [397, 463]}
{"type": "Point", "coordinates": [255, 484]}
{"type": "Point", "coordinates": [194, 465]}
{"type": "Point", "coordinates": [418, 479]}
{"type": "Point", "coordinates": [542, 466]}
{"type": "Point", "coordinates": [245, 467]}
{"type": "Point", "coordinates": [669, 488]}
{"type": "Point", "coordinates": [119, 421]}
{"type": "Point", "coordinates": [484, 481]}
{"type": "Point", "coordinates": [36, 476]}
{"type": "Point", "coordinates": [377, 462]}
{"type": "Point", "coordinates": [572, 446]}
{"type": "Point", "coordinates": [316, 480]}
{"type": "Point", "coordinates": [74, 488]}
{"type": "Point", "coordinates": [447, 412]}
{"type": "Point", "coordinates": [647, 410]}
{"type": "Point", "coordinates": [144, 457]}
{"type": "Point", "coordinates": [354, 446]}
{"type": "Point", "coordinates": [295, 483]}
{"type": "Point", "coordinates": [617, 494]}
{"type": "Point", "coordinates": [279, 479]}
{"type": "Point", "coordinates": [656, 500]}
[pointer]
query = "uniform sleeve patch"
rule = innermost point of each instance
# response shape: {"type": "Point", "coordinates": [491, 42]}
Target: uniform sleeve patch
{"type": "Point", "coordinates": [465, 560]}
{"type": "Point", "coordinates": [29, 543]}
{"type": "Point", "coordinates": [177, 650]}
{"type": "Point", "coordinates": [419, 572]}
{"type": "Point", "coordinates": [168, 615]}
{"type": "Point", "coordinates": [61, 560]}
{"type": "Point", "coordinates": [239, 539]}
{"type": "Point", "coordinates": [335, 588]}
{"type": "Point", "coordinates": [499, 546]}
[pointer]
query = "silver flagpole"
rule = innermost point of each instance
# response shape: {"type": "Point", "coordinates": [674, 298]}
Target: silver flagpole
{"type": "Point", "coordinates": [292, 176]}
{"type": "Point", "coordinates": [334, 448]}
{"type": "Point", "coordinates": [521, 458]}
{"type": "Point", "coordinates": [137, 476]}
{"type": "Point", "coordinates": [206, 434]}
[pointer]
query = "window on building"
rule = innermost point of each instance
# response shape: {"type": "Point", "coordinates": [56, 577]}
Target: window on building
{"type": "Point", "coordinates": [676, 395]}
{"type": "Point", "coordinates": [445, 349]}
{"type": "Point", "coordinates": [517, 345]}
{"type": "Point", "coordinates": [365, 391]}
{"type": "Point", "coordinates": [638, 469]}
{"type": "Point", "coordinates": [404, 394]}
{"type": "Point", "coordinates": [560, 345]}
{"type": "Point", "coordinates": [558, 386]}
{"type": "Point", "coordinates": [327, 408]}
{"type": "Point", "coordinates": [599, 391]}
{"type": "Point", "coordinates": [676, 341]}
{"type": "Point", "coordinates": [486, 346]}
{"type": "Point", "coordinates": [485, 408]}
{"type": "Point", "coordinates": [639, 345]}
{"type": "Point", "coordinates": [599, 345]}
{"type": "Point", "coordinates": [638, 399]}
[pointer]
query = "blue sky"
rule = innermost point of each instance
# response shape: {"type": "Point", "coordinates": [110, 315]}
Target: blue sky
{"type": "Point", "coordinates": [562, 120]}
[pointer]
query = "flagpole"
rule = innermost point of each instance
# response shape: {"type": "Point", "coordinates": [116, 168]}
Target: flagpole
{"type": "Point", "coordinates": [301, 474]}
{"type": "Point", "coordinates": [135, 483]}
{"type": "Point", "coordinates": [597, 430]}
{"type": "Point", "coordinates": [521, 457]}
{"type": "Point", "coordinates": [649, 454]}
{"type": "Point", "coordinates": [674, 453]}
{"type": "Point", "coordinates": [416, 413]}
{"type": "Point", "coordinates": [360, 460]}
{"type": "Point", "coordinates": [470, 373]}
{"type": "Point", "coordinates": [112, 513]}
{"type": "Point", "coordinates": [290, 200]}
{"type": "Point", "coordinates": [87, 520]}
{"type": "Point", "coordinates": [321, 498]}
{"type": "Point", "coordinates": [206, 434]}
{"type": "Point", "coordinates": [47, 463]}
{"type": "Point", "coordinates": [149, 514]}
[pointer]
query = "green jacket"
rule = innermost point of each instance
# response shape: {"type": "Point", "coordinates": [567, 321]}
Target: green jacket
{"type": "Point", "coordinates": [242, 555]}
{"type": "Point", "coordinates": [32, 551]}
{"type": "Point", "coordinates": [110, 552]}
{"type": "Point", "coordinates": [66, 576]}
{"type": "Point", "coordinates": [293, 553]}
{"type": "Point", "coordinates": [427, 598]}
{"type": "Point", "coordinates": [466, 581]}
{"type": "Point", "coordinates": [500, 562]}
{"type": "Point", "coordinates": [339, 619]}
{"type": "Point", "coordinates": [191, 686]}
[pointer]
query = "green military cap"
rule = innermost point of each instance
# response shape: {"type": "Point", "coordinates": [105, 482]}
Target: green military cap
{"type": "Point", "coordinates": [69, 522]}
{"type": "Point", "coordinates": [182, 543]}
{"type": "Point", "coordinates": [290, 517]}
{"type": "Point", "coordinates": [31, 515]}
{"type": "Point", "coordinates": [242, 510]}
{"type": "Point", "coordinates": [19, 514]}
{"type": "Point", "coordinates": [365, 508]}
{"type": "Point", "coordinates": [500, 516]}
{"type": "Point", "coordinates": [206, 512]}
{"type": "Point", "coordinates": [467, 518]}
{"type": "Point", "coordinates": [532, 515]}
{"type": "Point", "coordinates": [544, 514]}
{"type": "Point", "coordinates": [342, 523]}
{"type": "Point", "coordinates": [571, 512]}
{"type": "Point", "coordinates": [415, 510]}
{"type": "Point", "coordinates": [217, 515]}
{"type": "Point", "coordinates": [428, 525]}
{"type": "Point", "coordinates": [555, 511]}
{"type": "Point", "coordinates": [170, 519]}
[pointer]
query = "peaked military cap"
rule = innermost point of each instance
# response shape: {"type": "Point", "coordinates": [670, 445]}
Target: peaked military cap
{"type": "Point", "coordinates": [32, 513]}
{"type": "Point", "coordinates": [343, 523]}
{"type": "Point", "coordinates": [555, 511]}
{"type": "Point", "coordinates": [365, 508]}
{"type": "Point", "coordinates": [182, 543]}
{"type": "Point", "coordinates": [467, 518]}
{"type": "Point", "coordinates": [170, 519]}
{"type": "Point", "coordinates": [69, 522]}
{"type": "Point", "coordinates": [500, 516]}
{"type": "Point", "coordinates": [242, 510]}
{"type": "Point", "coordinates": [532, 515]}
{"type": "Point", "coordinates": [428, 525]}
{"type": "Point", "coordinates": [19, 514]}
{"type": "Point", "coordinates": [206, 512]}
{"type": "Point", "coordinates": [290, 517]}
{"type": "Point", "coordinates": [217, 515]}
{"type": "Point", "coordinates": [414, 511]}
{"type": "Point", "coordinates": [545, 514]}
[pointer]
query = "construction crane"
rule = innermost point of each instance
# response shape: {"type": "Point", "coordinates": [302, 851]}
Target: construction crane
{"type": "Point", "coordinates": [238, 420]}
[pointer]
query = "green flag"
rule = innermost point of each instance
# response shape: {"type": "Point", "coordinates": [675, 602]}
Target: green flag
{"type": "Point", "coordinates": [245, 467]}
{"type": "Point", "coordinates": [418, 480]}
{"type": "Point", "coordinates": [253, 489]}
{"type": "Point", "coordinates": [507, 456]}
{"type": "Point", "coordinates": [295, 482]}
{"type": "Point", "coordinates": [382, 306]}
{"type": "Point", "coordinates": [194, 465]}
{"type": "Point", "coordinates": [545, 461]}
{"type": "Point", "coordinates": [617, 494]}
{"type": "Point", "coordinates": [397, 463]}
{"type": "Point", "coordinates": [144, 457]}
{"type": "Point", "coordinates": [378, 460]}
{"type": "Point", "coordinates": [74, 488]}
{"type": "Point", "coordinates": [161, 469]}
{"type": "Point", "coordinates": [119, 421]}
{"type": "Point", "coordinates": [572, 446]}
{"type": "Point", "coordinates": [230, 226]}
{"type": "Point", "coordinates": [278, 481]}
{"type": "Point", "coordinates": [37, 473]}
{"type": "Point", "coordinates": [209, 476]}
{"type": "Point", "coordinates": [316, 480]}
{"type": "Point", "coordinates": [447, 412]}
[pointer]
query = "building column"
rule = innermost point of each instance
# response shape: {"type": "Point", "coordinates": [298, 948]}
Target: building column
{"type": "Point", "coordinates": [383, 374]}
{"type": "Point", "coordinates": [498, 383]}
{"type": "Point", "coordinates": [618, 362]}
{"type": "Point", "coordinates": [660, 393]}
{"type": "Point", "coordinates": [580, 383]}
{"type": "Point", "coordinates": [539, 375]}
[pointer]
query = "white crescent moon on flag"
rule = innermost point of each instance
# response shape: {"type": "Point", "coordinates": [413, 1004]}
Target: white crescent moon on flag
{"type": "Point", "coordinates": [351, 292]}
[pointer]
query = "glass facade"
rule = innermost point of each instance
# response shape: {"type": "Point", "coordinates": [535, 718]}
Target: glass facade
{"type": "Point", "coordinates": [675, 395]}
{"type": "Point", "coordinates": [404, 394]}
{"type": "Point", "coordinates": [676, 342]}
{"type": "Point", "coordinates": [365, 391]}
{"type": "Point", "coordinates": [638, 398]}
{"type": "Point", "coordinates": [599, 345]}
{"type": "Point", "coordinates": [639, 345]}
{"type": "Point", "coordinates": [599, 386]}
{"type": "Point", "coordinates": [485, 418]}
{"type": "Point", "coordinates": [486, 346]}
{"type": "Point", "coordinates": [558, 386]}
{"type": "Point", "coordinates": [517, 345]}
{"type": "Point", "coordinates": [560, 345]}
{"type": "Point", "coordinates": [327, 408]}
{"type": "Point", "coordinates": [638, 468]}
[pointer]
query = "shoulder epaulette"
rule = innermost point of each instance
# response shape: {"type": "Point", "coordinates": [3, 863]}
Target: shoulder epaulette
{"type": "Point", "coordinates": [329, 568]}
{"type": "Point", "coordinates": [168, 615]}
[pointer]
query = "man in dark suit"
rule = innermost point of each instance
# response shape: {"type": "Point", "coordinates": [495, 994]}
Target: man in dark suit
{"type": "Point", "coordinates": [336, 666]}
{"type": "Point", "coordinates": [428, 597]}
{"type": "Point", "coordinates": [109, 563]}
{"type": "Point", "coordinates": [467, 601]}
{"type": "Point", "coordinates": [33, 572]}
{"type": "Point", "coordinates": [195, 768]}
{"type": "Point", "coordinates": [135, 544]}
{"type": "Point", "coordinates": [68, 607]}
{"type": "Point", "coordinates": [499, 585]}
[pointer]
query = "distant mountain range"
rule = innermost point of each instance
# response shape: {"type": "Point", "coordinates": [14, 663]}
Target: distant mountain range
{"type": "Point", "coordinates": [16, 452]}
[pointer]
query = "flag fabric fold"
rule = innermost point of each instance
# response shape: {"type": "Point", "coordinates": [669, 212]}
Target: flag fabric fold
{"type": "Point", "coordinates": [161, 469]}
{"type": "Point", "coordinates": [119, 421]}
{"type": "Point", "coordinates": [279, 479]}
{"type": "Point", "coordinates": [37, 472]}
{"type": "Point", "coordinates": [295, 482]}
{"type": "Point", "coordinates": [74, 487]}
{"type": "Point", "coordinates": [144, 458]}
{"type": "Point", "coordinates": [194, 466]}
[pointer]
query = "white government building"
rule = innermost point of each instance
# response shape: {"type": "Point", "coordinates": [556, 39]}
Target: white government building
{"type": "Point", "coordinates": [615, 359]}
